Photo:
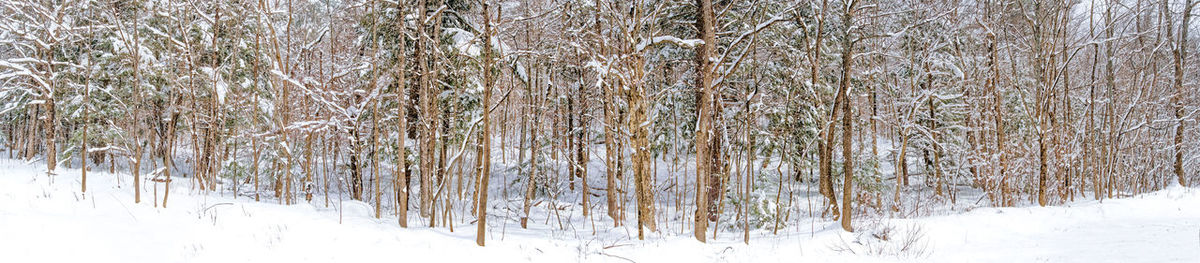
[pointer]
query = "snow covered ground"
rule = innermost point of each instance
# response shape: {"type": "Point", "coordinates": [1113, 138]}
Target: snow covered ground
{"type": "Point", "coordinates": [44, 219]}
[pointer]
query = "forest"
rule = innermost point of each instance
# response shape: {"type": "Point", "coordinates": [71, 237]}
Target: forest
{"type": "Point", "coordinates": [709, 119]}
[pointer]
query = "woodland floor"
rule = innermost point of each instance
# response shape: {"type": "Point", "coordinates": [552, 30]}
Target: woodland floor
{"type": "Point", "coordinates": [47, 219]}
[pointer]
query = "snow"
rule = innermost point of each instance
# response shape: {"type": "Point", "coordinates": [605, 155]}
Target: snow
{"type": "Point", "coordinates": [463, 41]}
{"type": "Point", "coordinates": [221, 88]}
{"type": "Point", "coordinates": [688, 43]}
{"type": "Point", "coordinates": [47, 219]}
{"type": "Point", "coordinates": [510, 5]}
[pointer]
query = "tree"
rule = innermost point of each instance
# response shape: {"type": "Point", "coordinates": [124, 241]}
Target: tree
{"type": "Point", "coordinates": [706, 165]}
{"type": "Point", "coordinates": [848, 42]}
{"type": "Point", "coordinates": [1180, 56]}
{"type": "Point", "coordinates": [485, 138]}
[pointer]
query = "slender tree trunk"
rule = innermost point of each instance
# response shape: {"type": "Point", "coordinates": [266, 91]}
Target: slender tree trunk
{"type": "Point", "coordinates": [748, 182]}
{"type": "Point", "coordinates": [643, 179]}
{"type": "Point", "coordinates": [83, 154]}
{"type": "Point", "coordinates": [137, 127]}
{"type": "Point", "coordinates": [901, 168]}
{"type": "Point", "coordinates": [611, 152]}
{"type": "Point", "coordinates": [168, 162]}
{"type": "Point", "coordinates": [51, 132]}
{"type": "Point", "coordinates": [847, 121]}
{"type": "Point", "coordinates": [374, 87]}
{"type": "Point", "coordinates": [531, 183]}
{"type": "Point", "coordinates": [401, 162]}
{"type": "Point", "coordinates": [581, 150]}
{"type": "Point", "coordinates": [825, 144]}
{"type": "Point", "coordinates": [1180, 61]}
{"type": "Point", "coordinates": [427, 101]}
{"type": "Point", "coordinates": [375, 160]}
{"type": "Point", "coordinates": [485, 138]}
{"type": "Point", "coordinates": [254, 143]}
{"type": "Point", "coordinates": [705, 25]}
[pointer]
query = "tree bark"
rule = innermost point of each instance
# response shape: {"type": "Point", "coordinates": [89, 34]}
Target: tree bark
{"type": "Point", "coordinates": [400, 177]}
{"type": "Point", "coordinates": [485, 139]}
{"type": "Point", "coordinates": [705, 25]}
{"type": "Point", "coordinates": [1180, 61]}
{"type": "Point", "coordinates": [847, 121]}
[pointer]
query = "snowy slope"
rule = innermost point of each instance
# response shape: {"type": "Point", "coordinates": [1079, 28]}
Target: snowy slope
{"type": "Point", "coordinates": [45, 219]}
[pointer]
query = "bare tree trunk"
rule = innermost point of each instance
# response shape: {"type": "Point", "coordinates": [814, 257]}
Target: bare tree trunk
{"type": "Point", "coordinates": [1090, 134]}
{"type": "Point", "coordinates": [83, 154]}
{"type": "Point", "coordinates": [825, 144]}
{"type": "Point", "coordinates": [1180, 59]}
{"type": "Point", "coordinates": [611, 153]}
{"type": "Point", "coordinates": [254, 143]}
{"type": "Point", "coordinates": [748, 181]}
{"type": "Point", "coordinates": [531, 185]}
{"type": "Point", "coordinates": [427, 117]}
{"type": "Point", "coordinates": [705, 24]}
{"type": "Point", "coordinates": [137, 80]}
{"type": "Point", "coordinates": [485, 138]}
{"type": "Point", "coordinates": [581, 149]}
{"type": "Point", "coordinates": [308, 164]}
{"type": "Point", "coordinates": [438, 119]}
{"type": "Point", "coordinates": [375, 160]}
{"type": "Point", "coordinates": [997, 111]}
{"type": "Point", "coordinates": [374, 87]}
{"type": "Point", "coordinates": [901, 168]}
{"type": "Point", "coordinates": [51, 130]}
{"type": "Point", "coordinates": [401, 162]}
{"type": "Point", "coordinates": [168, 162]}
{"type": "Point", "coordinates": [643, 179]}
{"type": "Point", "coordinates": [31, 125]}
{"type": "Point", "coordinates": [847, 121]}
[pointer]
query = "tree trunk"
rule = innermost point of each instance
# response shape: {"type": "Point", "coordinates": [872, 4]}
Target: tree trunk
{"type": "Point", "coordinates": [705, 25]}
{"type": "Point", "coordinates": [401, 175]}
{"type": "Point", "coordinates": [485, 138]}
{"type": "Point", "coordinates": [1180, 59]}
{"type": "Point", "coordinates": [427, 116]}
{"type": "Point", "coordinates": [643, 179]}
{"type": "Point", "coordinates": [581, 149]}
{"type": "Point", "coordinates": [51, 133]}
{"type": "Point", "coordinates": [825, 144]}
{"type": "Point", "coordinates": [847, 122]}
{"type": "Point", "coordinates": [83, 154]}
{"type": "Point", "coordinates": [531, 183]}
